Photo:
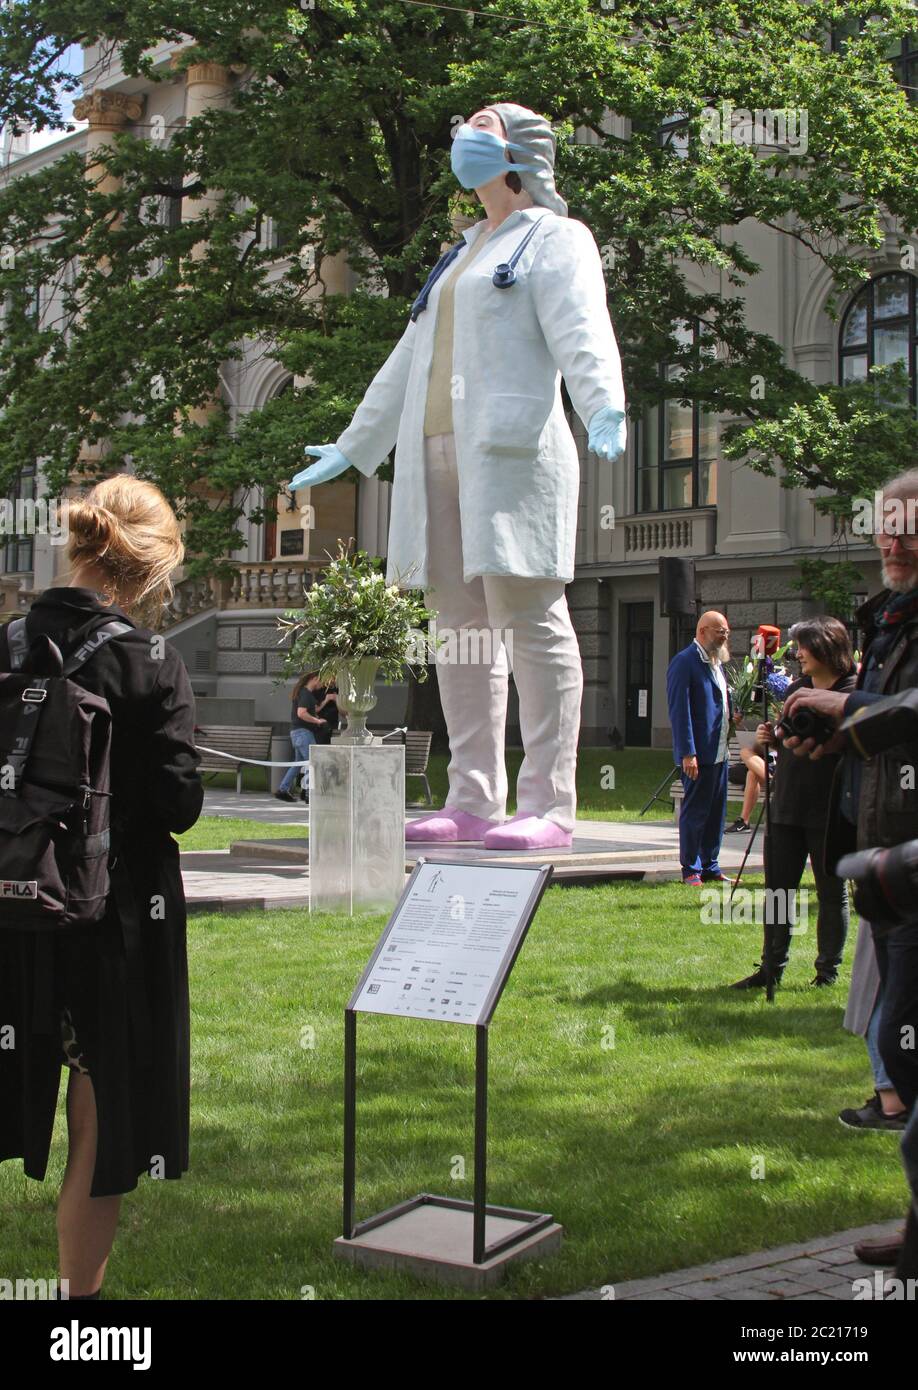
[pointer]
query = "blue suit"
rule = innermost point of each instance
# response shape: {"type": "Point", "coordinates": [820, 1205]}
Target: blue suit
{"type": "Point", "coordinates": [696, 714]}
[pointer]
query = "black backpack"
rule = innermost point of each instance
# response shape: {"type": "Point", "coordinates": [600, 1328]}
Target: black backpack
{"type": "Point", "coordinates": [55, 784]}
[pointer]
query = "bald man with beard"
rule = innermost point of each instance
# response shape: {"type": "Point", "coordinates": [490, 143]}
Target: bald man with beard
{"type": "Point", "coordinates": [700, 709]}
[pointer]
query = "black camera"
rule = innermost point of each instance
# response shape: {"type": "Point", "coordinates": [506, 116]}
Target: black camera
{"type": "Point", "coordinates": [806, 723]}
{"type": "Point", "coordinates": [883, 724]}
{"type": "Point", "coordinates": [886, 882]}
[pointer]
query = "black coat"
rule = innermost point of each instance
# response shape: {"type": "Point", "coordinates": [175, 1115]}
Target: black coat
{"type": "Point", "coordinates": [143, 1110]}
{"type": "Point", "coordinates": [888, 803]}
{"type": "Point", "coordinates": [802, 788]}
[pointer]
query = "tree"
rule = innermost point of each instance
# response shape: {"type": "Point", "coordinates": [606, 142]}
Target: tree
{"type": "Point", "coordinates": [339, 126]}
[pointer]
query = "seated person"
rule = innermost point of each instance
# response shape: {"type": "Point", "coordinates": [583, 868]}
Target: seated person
{"type": "Point", "coordinates": [751, 776]}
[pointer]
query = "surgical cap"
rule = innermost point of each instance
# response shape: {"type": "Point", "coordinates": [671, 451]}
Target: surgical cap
{"type": "Point", "coordinates": [535, 134]}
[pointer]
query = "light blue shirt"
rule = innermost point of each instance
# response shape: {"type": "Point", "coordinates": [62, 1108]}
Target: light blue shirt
{"type": "Point", "coordinates": [718, 673]}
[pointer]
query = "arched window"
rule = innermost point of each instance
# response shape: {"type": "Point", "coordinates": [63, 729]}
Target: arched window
{"type": "Point", "coordinates": [879, 327]}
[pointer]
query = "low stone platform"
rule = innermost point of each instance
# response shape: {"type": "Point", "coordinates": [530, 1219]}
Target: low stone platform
{"type": "Point", "coordinates": [266, 873]}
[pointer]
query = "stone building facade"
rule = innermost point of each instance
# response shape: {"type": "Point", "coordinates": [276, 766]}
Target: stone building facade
{"type": "Point", "coordinates": [671, 495]}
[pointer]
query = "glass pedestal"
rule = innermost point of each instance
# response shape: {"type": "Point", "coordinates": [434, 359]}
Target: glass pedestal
{"type": "Point", "coordinates": [356, 827]}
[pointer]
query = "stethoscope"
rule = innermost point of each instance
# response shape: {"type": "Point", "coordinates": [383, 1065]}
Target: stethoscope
{"type": "Point", "coordinates": [504, 274]}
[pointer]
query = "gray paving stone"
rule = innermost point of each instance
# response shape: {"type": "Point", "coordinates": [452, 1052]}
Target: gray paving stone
{"type": "Point", "coordinates": [634, 1288]}
{"type": "Point", "coordinates": [856, 1269]}
{"type": "Point", "coordinates": [760, 1295]}
{"type": "Point", "coordinates": [663, 1296]}
{"type": "Point", "coordinates": [704, 1289]}
{"type": "Point", "coordinates": [789, 1287]}
{"type": "Point", "coordinates": [730, 1283]}
{"type": "Point", "coordinates": [842, 1256]}
{"type": "Point", "coordinates": [812, 1273]}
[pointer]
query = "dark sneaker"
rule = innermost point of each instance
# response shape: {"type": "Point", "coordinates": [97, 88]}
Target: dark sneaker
{"type": "Point", "coordinates": [284, 796]}
{"type": "Point", "coordinates": [819, 981]}
{"type": "Point", "coordinates": [871, 1116]}
{"type": "Point", "coordinates": [739, 827]}
{"type": "Point", "coordinates": [884, 1251]}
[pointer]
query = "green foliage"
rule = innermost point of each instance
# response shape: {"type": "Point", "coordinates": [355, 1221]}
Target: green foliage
{"type": "Point", "coordinates": [337, 128]}
{"type": "Point", "coordinates": [353, 614]}
{"type": "Point", "coordinates": [852, 438]}
{"type": "Point", "coordinates": [831, 583]}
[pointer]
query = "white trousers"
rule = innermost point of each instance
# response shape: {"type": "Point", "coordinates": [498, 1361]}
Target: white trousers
{"type": "Point", "coordinates": [494, 624]}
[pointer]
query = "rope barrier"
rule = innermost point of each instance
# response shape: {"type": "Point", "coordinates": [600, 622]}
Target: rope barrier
{"type": "Point", "coordinates": [260, 762]}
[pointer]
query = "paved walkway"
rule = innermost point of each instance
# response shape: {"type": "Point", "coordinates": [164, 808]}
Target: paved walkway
{"type": "Point", "coordinates": [262, 874]}
{"type": "Point", "coordinates": [820, 1270]}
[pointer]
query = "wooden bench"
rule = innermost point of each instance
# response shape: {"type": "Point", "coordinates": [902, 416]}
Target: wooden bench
{"type": "Point", "coordinates": [417, 752]}
{"type": "Point", "coordinates": [742, 739]}
{"type": "Point", "coordinates": [240, 740]}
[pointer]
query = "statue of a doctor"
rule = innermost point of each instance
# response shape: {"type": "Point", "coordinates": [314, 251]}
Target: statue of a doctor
{"type": "Point", "coordinates": [484, 501]}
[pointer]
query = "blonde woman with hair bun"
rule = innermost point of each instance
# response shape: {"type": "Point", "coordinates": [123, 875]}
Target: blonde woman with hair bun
{"type": "Point", "coordinates": [128, 1090]}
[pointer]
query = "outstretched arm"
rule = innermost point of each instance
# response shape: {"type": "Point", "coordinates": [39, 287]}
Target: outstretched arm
{"type": "Point", "coordinates": [371, 435]}
{"type": "Point", "coordinates": [570, 296]}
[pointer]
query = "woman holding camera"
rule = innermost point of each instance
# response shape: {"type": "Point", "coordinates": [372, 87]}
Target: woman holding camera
{"type": "Point", "coordinates": [796, 819]}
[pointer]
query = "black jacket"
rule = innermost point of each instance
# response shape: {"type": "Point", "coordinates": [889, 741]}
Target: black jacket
{"type": "Point", "coordinates": [156, 789]}
{"type": "Point", "coordinates": [802, 788]}
{"type": "Point", "coordinates": [888, 802]}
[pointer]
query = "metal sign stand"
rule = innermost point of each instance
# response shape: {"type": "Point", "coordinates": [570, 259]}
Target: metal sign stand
{"type": "Point", "coordinates": [522, 1232]}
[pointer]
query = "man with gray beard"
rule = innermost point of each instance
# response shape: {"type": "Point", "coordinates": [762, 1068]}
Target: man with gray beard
{"type": "Point", "coordinates": [700, 709]}
{"type": "Point", "coordinates": [875, 803]}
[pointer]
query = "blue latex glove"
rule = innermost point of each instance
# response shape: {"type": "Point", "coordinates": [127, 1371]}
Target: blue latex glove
{"type": "Point", "coordinates": [608, 432]}
{"type": "Point", "coordinates": [331, 463]}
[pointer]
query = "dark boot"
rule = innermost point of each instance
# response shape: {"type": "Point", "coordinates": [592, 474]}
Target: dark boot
{"type": "Point", "coordinates": [758, 980]}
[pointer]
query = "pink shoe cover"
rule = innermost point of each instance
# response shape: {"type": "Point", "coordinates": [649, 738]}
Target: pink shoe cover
{"type": "Point", "coordinates": [448, 826]}
{"type": "Point", "coordinates": [528, 832]}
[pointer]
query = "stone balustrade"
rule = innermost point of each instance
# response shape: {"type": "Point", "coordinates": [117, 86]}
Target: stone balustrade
{"type": "Point", "coordinates": [271, 583]}
{"type": "Point", "coordinates": [253, 584]}
{"type": "Point", "coordinates": [649, 536]}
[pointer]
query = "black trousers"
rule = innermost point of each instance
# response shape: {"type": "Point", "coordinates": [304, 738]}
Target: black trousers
{"type": "Point", "coordinates": [787, 848]}
{"type": "Point", "coordinates": [897, 958]}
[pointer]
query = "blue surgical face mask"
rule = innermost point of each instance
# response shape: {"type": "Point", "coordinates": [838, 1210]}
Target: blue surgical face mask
{"type": "Point", "coordinates": [478, 156]}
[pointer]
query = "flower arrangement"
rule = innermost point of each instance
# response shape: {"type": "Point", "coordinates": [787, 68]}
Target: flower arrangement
{"type": "Point", "coordinates": [353, 615]}
{"type": "Point", "coordinates": [746, 689]}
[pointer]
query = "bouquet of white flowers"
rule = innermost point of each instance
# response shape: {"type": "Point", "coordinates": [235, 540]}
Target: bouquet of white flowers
{"type": "Point", "coordinates": [353, 615]}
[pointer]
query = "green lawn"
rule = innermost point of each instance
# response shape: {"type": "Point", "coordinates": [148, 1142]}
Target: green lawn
{"type": "Point", "coordinates": [645, 1151]}
{"type": "Point", "coordinates": [610, 786]}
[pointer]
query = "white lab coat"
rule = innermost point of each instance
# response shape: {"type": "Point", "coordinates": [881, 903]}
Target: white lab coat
{"type": "Point", "coordinates": [519, 473]}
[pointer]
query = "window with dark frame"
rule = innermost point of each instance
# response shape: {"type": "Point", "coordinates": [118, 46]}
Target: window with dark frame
{"type": "Point", "coordinates": [902, 53]}
{"type": "Point", "coordinates": [18, 549]}
{"type": "Point", "coordinates": [676, 457]}
{"type": "Point", "coordinates": [879, 327]}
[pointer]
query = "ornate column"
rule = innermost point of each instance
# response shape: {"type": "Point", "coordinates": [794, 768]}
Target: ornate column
{"type": "Point", "coordinates": [206, 85]}
{"type": "Point", "coordinates": [107, 113]}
